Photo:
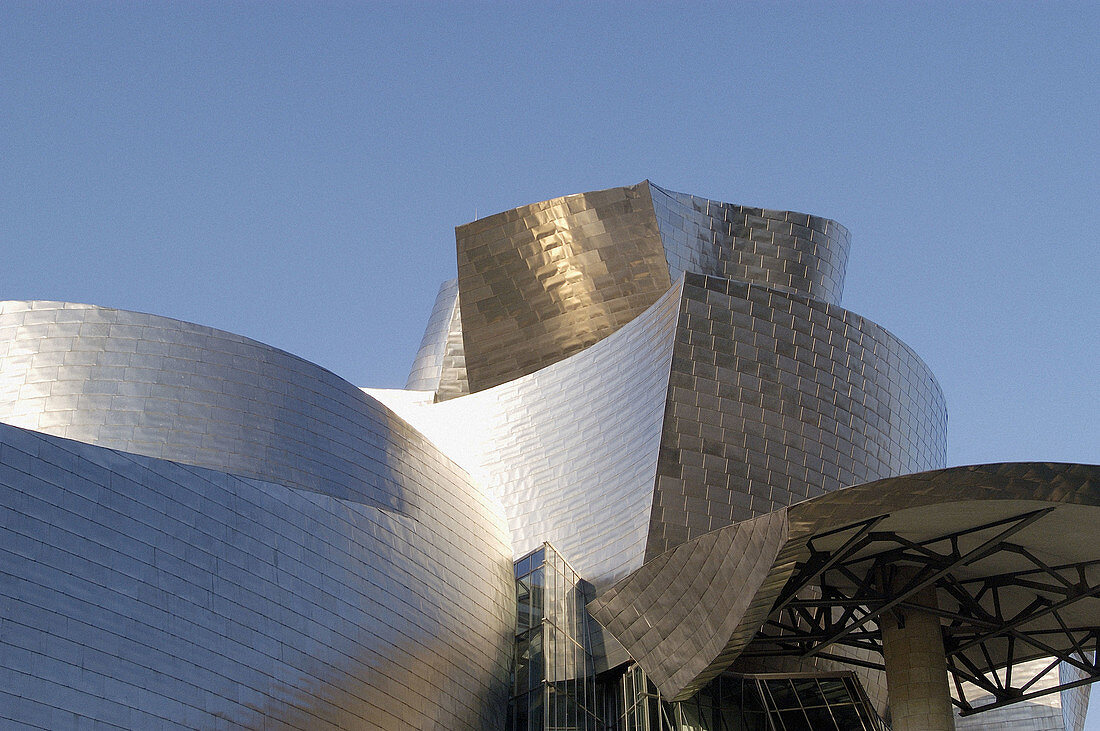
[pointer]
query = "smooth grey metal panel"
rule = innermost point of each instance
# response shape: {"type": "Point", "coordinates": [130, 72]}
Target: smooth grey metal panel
{"type": "Point", "coordinates": [775, 398]}
{"type": "Point", "coordinates": [543, 281]}
{"type": "Point", "coordinates": [174, 390]}
{"type": "Point", "coordinates": [791, 251]}
{"type": "Point", "coordinates": [142, 593]}
{"type": "Point", "coordinates": [570, 450]}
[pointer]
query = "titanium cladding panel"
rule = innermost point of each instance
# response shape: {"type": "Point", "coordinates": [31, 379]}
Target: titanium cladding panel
{"type": "Point", "coordinates": [571, 451]}
{"type": "Point", "coordinates": [169, 389]}
{"type": "Point", "coordinates": [541, 282]}
{"type": "Point", "coordinates": [440, 363]}
{"type": "Point", "coordinates": [775, 398]}
{"type": "Point", "coordinates": [426, 367]}
{"type": "Point", "coordinates": [348, 602]}
{"type": "Point", "coordinates": [791, 251]}
{"type": "Point", "coordinates": [677, 613]}
{"type": "Point", "coordinates": [141, 593]}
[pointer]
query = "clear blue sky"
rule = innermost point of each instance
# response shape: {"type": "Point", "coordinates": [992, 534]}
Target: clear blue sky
{"type": "Point", "coordinates": [294, 172]}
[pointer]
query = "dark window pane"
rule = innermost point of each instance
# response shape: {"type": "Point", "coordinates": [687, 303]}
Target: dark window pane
{"type": "Point", "coordinates": [808, 692]}
{"type": "Point", "coordinates": [847, 717]}
{"type": "Point", "coordinates": [835, 690]}
{"type": "Point", "coordinates": [821, 720]}
{"type": "Point", "coordinates": [535, 713]}
{"type": "Point", "coordinates": [782, 693]}
{"type": "Point", "coordinates": [795, 720]}
{"type": "Point", "coordinates": [522, 717]}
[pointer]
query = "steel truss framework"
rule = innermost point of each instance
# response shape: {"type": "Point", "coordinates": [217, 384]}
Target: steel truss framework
{"type": "Point", "coordinates": [992, 622]}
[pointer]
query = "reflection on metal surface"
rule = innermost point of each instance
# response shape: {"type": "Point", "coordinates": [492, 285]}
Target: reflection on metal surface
{"type": "Point", "coordinates": [794, 252]}
{"type": "Point", "coordinates": [541, 282]}
{"type": "Point", "coordinates": [660, 611]}
{"type": "Point", "coordinates": [174, 390]}
{"type": "Point", "coordinates": [662, 386]}
{"type": "Point", "coordinates": [571, 450]}
{"type": "Point", "coordinates": [142, 593]}
{"type": "Point", "coordinates": [775, 398]}
{"type": "Point", "coordinates": [440, 363]}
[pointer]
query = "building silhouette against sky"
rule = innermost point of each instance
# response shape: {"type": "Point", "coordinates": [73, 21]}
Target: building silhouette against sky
{"type": "Point", "coordinates": [646, 473]}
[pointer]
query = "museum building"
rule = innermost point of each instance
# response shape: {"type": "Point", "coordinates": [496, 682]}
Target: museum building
{"type": "Point", "coordinates": [646, 474]}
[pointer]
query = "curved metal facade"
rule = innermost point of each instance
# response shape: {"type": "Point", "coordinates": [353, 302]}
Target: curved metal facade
{"type": "Point", "coordinates": [200, 530]}
{"type": "Point", "coordinates": [440, 363]}
{"type": "Point", "coordinates": [673, 591]}
{"type": "Point", "coordinates": [545, 446]}
{"type": "Point", "coordinates": [169, 389]}
{"type": "Point", "coordinates": [331, 572]}
{"type": "Point", "coordinates": [791, 251]}
{"type": "Point", "coordinates": [775, 398]}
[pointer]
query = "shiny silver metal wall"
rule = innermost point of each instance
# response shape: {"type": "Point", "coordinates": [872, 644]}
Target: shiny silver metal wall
{"type": "Point", "coordinates": [570, 450]}
{"type": "Point", "coordinates": [169, 389]}
{"type": "Point", "coordinates": [141, 593]}
{"type": "Point", "coordinates": [543, 281]}
{"type": "Point", "coordinates": [440, 363]}
{"type": "Point", "coordinates": [352, 601]}
{"type": "Point", "coordinates": [791, 251]}
{"type": "Point", "coordinates": [775, 398]}
{"type": "Point", "coordinates": [426, 367]}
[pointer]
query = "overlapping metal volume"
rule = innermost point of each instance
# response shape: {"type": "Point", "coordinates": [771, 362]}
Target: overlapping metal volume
{"type": "Point", "coordinates": [718, 485]}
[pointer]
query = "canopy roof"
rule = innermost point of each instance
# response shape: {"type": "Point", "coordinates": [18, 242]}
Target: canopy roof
{"type": "Point", "coordinates": [1013, 551]}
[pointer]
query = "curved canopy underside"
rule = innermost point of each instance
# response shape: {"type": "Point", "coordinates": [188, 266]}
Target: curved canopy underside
{"type": "Point", "coordinates": [1013, 551]}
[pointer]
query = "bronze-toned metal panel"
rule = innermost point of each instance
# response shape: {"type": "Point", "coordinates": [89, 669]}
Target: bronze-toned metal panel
{"type": "Point", "coordinates": [676, 614]}
{"type": "Point", "coordinates": [543, 281]}
{"type": "Point", "coordinates": [775, 398]}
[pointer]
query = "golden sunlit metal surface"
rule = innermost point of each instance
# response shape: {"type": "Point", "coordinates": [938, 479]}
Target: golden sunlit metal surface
{"type": "Point", "coordinates": [541, 282]}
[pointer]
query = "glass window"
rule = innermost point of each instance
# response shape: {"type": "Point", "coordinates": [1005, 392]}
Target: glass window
{"type": "Point", "coordinates": [808, 692]}
{"type": "Point", "coordinates": [795, 720]}
{"type": "Point", "coordinates": [523, 566]}
{"type": "Point", "coordinates": [822, 720]}
{"type": "Point", "coordinates": [847, 717]}
{"type": "Point", "coordinates": [782, 694]}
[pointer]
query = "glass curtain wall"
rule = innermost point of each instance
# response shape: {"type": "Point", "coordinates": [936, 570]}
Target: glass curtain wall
{"type": "Point", "coordinates": [554, 687]}
{"type": "Point", "coordinates": [553, 683]}
{"type": "Point", "coordinates": [832, 702]}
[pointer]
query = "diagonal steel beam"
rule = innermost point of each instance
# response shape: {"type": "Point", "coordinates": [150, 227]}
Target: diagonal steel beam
{"type": "Point", "coordinates": [1028, 696]}
{"type": "Point", "coordinates": [1023, 619]}
{"type": "Point", "coordinates": [987, 547]}
{"type": "Point", "coordinates": [828, 561]}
